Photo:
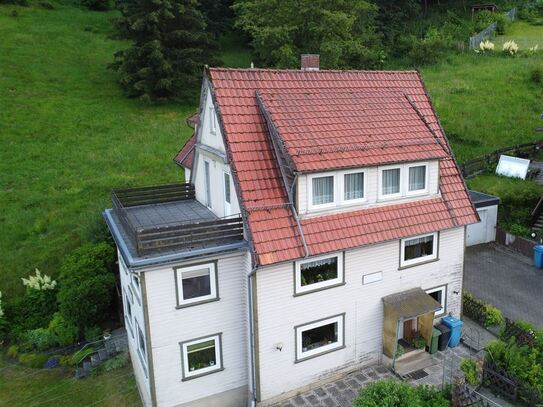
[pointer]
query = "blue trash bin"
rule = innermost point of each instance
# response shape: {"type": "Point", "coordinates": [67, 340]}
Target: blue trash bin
{"type": "Point", "coordinates": [538, 256]}
{"type": "Point", "coordinates": [455, 325]}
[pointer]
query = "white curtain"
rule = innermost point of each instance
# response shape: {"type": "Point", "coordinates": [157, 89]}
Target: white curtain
{"type": "Point", "coordinates": [391, 181]}
{"type": "Point", "coordinates": [354, 186]}
{"type": "Point", "coordinates": [417, 178]}
{"type": "Point", "coordinates": [323, 190]}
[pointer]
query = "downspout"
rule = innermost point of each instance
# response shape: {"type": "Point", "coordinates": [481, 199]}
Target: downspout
{"type": "Point", "coordinates": [253, 401]}
{"type": "Point", "coordinates": [295, 214]}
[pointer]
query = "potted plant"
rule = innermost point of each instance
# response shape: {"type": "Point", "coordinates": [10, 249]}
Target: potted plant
{"type": "Point", "coordinates": [418, 342]}
{"type": "Point", "coordinates": [107, 335]}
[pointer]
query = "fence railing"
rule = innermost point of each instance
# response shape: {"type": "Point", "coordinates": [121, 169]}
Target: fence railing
{"type": "Point", "coordinates": [478, 165]}
{"type": "Point", "coordinates": [536, 213]}
{"type": "Point", "coordinates": [489, 31]}
{"type": "Point", "coordinates": [176, 235]}
{"type": "Point", "coordinates": [499, 381]}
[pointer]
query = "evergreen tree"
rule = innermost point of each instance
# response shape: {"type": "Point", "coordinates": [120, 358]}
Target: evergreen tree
{"type": "Point", "coordinates": [170, 47]}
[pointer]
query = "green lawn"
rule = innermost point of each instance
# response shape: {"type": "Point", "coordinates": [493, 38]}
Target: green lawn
{"type": "Point", "coordinates": [58, 388]}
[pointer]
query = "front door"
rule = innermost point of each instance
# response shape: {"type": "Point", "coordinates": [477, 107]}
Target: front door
{"type": "Point", "coordinates": [408, 330]}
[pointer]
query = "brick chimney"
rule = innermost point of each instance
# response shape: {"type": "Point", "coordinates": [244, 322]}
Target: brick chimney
{"type": "Point", "coordinates": [310, 62]}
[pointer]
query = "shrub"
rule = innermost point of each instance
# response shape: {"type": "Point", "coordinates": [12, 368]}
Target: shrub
{"type": "Point", "coordinates": [13, 351]}
{"type": "Point", "coordinates": [33, 360]}
{"type": "Point", "coordinates": [503, 23]}
{"type": "Point", "coordinates": [510, 48]}
{"type": "Point", "coordinates": [38, 339]}
{"type": "Point", "coordinates": [418, 342]}
{"type": "Point", "coordinates": [485, 314]}
{"type": "Point", "coordinates": [426, 50]}
{"type": "Point", "coordinates": [400, 350]}
{"type": "Point", "coordinates": [470, 371]}
{"type": "Point", "coordinates": [117, 362]}
{"type": "Point", "coordinates": [96, 5]}
{"type": "Point", "coordinates": [483, 19]}
{"type": "Point", "coordinates": [486, 46]}
{"type": "Point", "coordinates": [392, 393]}
{"type": "Point", "coordinates": [63, 333]}
{"type": "Point", "coordinates": [536, 76]}
{"type": "Point", "coordinates": [93, 333]}
{"type": "Point", "coordinates": [86, 285]}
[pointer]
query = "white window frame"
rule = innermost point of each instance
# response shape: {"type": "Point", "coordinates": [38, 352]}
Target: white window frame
{"type": "Point", "coordinates": [299, 289]}
{"type": "Point", "coordinates": [341, 184]}
{"type": "Point", "coordinates": [213, 284]}
{"type": "Point", "coordinates": [135, 282]}
{"type": "Point", "coordinates": [129, 302]}
{"type": "Point", "coordinates": [340, 344]}
{"type": "Point", "coordinates": [143, 357]}
{"type": "Point", "coordinates": [187, 374]}
{"type": "Point", "coordinates": [380, 182]}
{"type": "Point", "coordinates": [310, 178]}
{"type": "Point", "coordinates": [419, 260]}
{"type": "Point", "coordinates": [227, 204]}
{"type": "Point", "coordinates": [212, 120]}
{"type": "Point", "coordinates": [443, 289]}
{"type": "Point", "coordinates": [418, 191]}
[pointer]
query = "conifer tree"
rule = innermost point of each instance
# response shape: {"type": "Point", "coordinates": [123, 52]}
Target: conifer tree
{"type": "Point", "coordinates": [170, 47]}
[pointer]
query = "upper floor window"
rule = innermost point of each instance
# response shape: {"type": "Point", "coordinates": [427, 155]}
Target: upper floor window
{"type": "Point", "coordinates": [417, 179]}
{"type": "Point", "coordinates": [403, 180]}
{"type": "Point", "coordinates": [322, 190]}
{"type": "Point", "coordinates": [212, 120]}
{"type": "Point", "coordinates": [318, 273]}
{"type": "Point", "coordinates": [353, 186]}
{"type": "Point", "coordinates": [418, 249]}
{"type": "Point", "coordinates": [336, 188]}
{"type": "Point", "coordinates": [390, 181]}
{"type": "Point", "coordinates": [196, 284]}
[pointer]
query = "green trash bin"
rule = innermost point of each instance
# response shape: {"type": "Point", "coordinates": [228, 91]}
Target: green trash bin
{"type": "Point", "coordinates": [435, 339]}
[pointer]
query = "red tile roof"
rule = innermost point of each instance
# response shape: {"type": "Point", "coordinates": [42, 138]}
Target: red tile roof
{"type": "Point", "coordinates": [271, 223]}
{"type": "Point", "coordinates": [329, 129]}
{"type": "Point", "coordinates": [185, 156]}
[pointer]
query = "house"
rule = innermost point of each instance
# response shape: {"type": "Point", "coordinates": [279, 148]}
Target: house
{"type": "Point", "coordinates": [324, 222]}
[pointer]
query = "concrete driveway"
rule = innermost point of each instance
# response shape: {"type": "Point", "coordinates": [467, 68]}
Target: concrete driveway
{"type": "Point", "coordinates": [506, 280]}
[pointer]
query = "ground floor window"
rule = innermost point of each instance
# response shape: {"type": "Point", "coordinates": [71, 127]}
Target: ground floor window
{"type": "Point", "coordinates": [319, 337]}
{"type": "Point", "coordinates": [440, 295]}
{"type": "Point", "coordinates": [201, 356]}
{"type": "Point", "coordinates": [418, 249]}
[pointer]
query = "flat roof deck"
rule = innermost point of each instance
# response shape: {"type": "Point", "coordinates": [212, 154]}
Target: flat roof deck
{"type": "Point", "coordinates": [168, 214]}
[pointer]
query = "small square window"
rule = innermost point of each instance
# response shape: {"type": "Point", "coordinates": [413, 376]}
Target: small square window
{"type": "Point", "coordinates": [196, 284]}
{"type": "Point", "coordinates": [417, 178]}
{"type": "Point", "coordinates": [418, 249]}
{"type": "Point", "coordinates": [319, 337]}
{"type": "Point", "coordinates": [322, 190]}
{"type": "Point", "coordinates": [440, 295]}
{"type": "Point", "coordinates": [390, 181]}
{"type": "Point", "coordinates": [318, 273]}
{"type": "Point", "coordinates": [353, 186]}
{"type": "Point", "coordinates": [201, 356]}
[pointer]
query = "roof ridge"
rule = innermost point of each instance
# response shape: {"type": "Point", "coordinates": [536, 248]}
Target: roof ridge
{"type": "Point", "coordinates": [376, 71]}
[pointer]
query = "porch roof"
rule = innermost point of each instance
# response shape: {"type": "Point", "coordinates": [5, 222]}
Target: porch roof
{"type": "Point", "coordinates": [411, 303]}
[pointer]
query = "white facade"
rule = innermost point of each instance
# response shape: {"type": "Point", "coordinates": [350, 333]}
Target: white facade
{"type": "Point", "coordinates": [279, 311]}
{"type": "Point", "coordinates": [485, 230]}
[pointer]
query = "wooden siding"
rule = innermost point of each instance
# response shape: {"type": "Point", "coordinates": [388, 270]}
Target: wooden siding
{"type": "Point", "coordinates": [170, 326]}
{"type": "Point", "coordinates": [142, 376]}
{"type": "Point", "coordinates": [371, 179]}
{"type": "Point", "coordinates": [279, 311]}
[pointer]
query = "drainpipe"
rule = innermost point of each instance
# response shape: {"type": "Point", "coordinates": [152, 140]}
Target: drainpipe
{"type": "Point", "coordinates": [252, 403]}
{"type": "Point", "coordinates": [296, 218]}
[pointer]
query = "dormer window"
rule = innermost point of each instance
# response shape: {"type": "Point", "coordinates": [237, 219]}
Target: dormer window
{"type": "Point", "coordinates": [390, 182]}
{"type": "Point", "coordinates": [322, 190]}
{"type": "Point", "coordinates": [417, 179]}
{"type": "Point", "coordinates": [353, 186]}
{"type": "Point", "coordinates": [403, 180]}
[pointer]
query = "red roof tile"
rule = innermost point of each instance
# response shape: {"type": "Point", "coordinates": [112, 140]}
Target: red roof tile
{"type": "Point", "coordinates": [271, 223]}
{"type": "Point", "coordinates": [185, 156]}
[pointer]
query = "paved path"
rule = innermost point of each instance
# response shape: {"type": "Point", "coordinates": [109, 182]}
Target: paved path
{"type": "Point", "coordinates": [506, 280]}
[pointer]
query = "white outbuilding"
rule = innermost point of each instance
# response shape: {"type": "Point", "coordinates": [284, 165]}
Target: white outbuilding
{"type": "Point", "coordinates": [485, 230]}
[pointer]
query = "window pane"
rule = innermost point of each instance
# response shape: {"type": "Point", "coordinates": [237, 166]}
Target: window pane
{"type": "Point", "coordinates": [354, 186]}
{"type": "Point", "coordinates": [419, 247]}
{"type": "Point", "coordinates": [201, 355]}
{"type": "Point", "coordinates": [318, 337]}
{"type": "Point", "coordinates": [227, 187]}
{"type": "Point", "coordinates": [391, 181]}
{"type": "Point", "coordinates": [323, 190]}
{"type": "Point", "coordinates": [196, 283]}
{"type": "Point", "coordinates": [141, 341]}
{"type": "Point", "coordinates": [417, 178]}
{"type": "Point", "coordinates": [436, 295]}
{"type": "Point", "coordinates": [317, 271]}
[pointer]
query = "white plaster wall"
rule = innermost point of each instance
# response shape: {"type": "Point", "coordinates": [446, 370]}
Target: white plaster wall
{"type": "Point", "coordinates": [371, 186]}
{"type": "Point", "coordinates": [209, 138]}
{"type": "Point", "coordinates": [279, 311]}
{"type": "Point", "coordinates": [170, 326]}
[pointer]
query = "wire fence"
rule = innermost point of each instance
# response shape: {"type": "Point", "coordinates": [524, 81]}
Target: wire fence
{"type": "Point", "coordinates": [489, 31]}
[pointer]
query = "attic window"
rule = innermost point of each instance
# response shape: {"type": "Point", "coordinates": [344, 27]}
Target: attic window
{"type": "Point", "coordinates": [322, 190]}
{"type": "Point", "coordinates": [391, 181]}
{"type": "Point", "coordinates": [212, 120]}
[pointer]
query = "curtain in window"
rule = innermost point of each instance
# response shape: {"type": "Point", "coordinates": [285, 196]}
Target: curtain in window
{"type": "Point", "coordinates": [323, 190]}
{"type": "Point", "coordinates": [354, 186]}
{"type": "Point", "coordinates": [419, 247]}
{"type": "Point", "coordinates": [391, 181]}
{"type": "Point", "coordinates": [417, 178]}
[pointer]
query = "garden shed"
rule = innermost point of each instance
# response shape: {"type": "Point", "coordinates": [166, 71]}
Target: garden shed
{"type": "Point", "coordinates": [487, 208]}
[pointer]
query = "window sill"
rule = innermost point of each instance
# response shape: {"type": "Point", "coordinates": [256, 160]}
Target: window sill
{"type": "Point", "coordinates": [298, 294]}
{"type": "Point", "coordinates": [196, 376]}
{"type": "Point", "coordinates": [181, 306]}
{"type": "Point", "coordinates": [408, 266]}
{"type": "Point", "coordinates": [319, 354]}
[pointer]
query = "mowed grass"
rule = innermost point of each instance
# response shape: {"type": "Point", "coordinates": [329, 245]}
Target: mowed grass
{"type": "Point", "coordinates": [24, 387]}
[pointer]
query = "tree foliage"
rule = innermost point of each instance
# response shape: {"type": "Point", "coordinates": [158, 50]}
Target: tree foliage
{"type": "Point", "coordinates": [342, 31]}
{"type": "Point", "coordinates": [170, 47]}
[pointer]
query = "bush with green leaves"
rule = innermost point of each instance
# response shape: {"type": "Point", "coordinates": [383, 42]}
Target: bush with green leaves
{"type": "Point", "coordinates": [87, 284]}
{"type": "Point", "coordinates": [426, 50]}
{"type": "Point", "coordinates": [33, 360]}
{"type": "Point", "coordinates": [37, 339]}
{"type": "Point", "coordinates": [117, 362]}
{"type": "Point", "coordinates": [93, 333]}
{"type": "Point", "coordinates": [62, 332]}
{"type": "Point", "coordinates": [97, 5]}
{"type": "Point", "coordinates": [484, 313]}
{"type": "Point", "coordinates": [394, 393]}
{"type": "Point", "coordinates": [468, 367]}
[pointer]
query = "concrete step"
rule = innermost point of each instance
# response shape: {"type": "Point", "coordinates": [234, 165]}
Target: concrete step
{"type": "Point", "coordinates": [412, 362]}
